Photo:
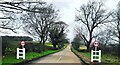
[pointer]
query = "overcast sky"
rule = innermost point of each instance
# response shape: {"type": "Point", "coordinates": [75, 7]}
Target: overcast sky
{"type": "Point", "coordinates": [68, 11]}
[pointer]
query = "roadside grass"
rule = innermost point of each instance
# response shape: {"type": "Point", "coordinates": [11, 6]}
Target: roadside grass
{"type": "Point", "coordinates": [83, 47]}
{"type": "Point", "coordinates": [11, 59]}
{"type": "Point", "coordinates": [109, 58]}
{"type": "Point", "coordinates": [86, 54]}
{"type": "Point", "coordinates": [49, 44]}
{"type": "Point", "coordinates": [105, 58]}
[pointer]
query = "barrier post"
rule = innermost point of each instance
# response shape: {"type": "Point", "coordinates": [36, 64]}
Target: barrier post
{"type": "Point", "coordinates": [95, 54]}
{"type": "Point", "coordinates": [21, 52]}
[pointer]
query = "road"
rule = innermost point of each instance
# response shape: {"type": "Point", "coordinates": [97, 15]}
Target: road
{"type": "Point", "coordinates": [64, 56]}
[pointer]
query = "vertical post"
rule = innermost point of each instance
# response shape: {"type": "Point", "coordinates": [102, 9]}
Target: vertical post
{"type": "Point", "coordinates": [95, 48]}
{"type": "Point", "coordinates": [17, 53]}
{"type": "Point", "coordinates": [0, 50]}
{"type": "Point", "coordinates": [95, 52]}
{"type": "Point", "coordinates": [23, 53]}
{"type": "Point", "coordinates": [99, 55]}
{"type": "Point", "coordinates": [91, 55]}
{"type": "Point", "coordinates": [22, 46]}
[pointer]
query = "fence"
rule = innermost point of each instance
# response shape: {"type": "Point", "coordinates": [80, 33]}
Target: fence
{"type": "Point", "coordinates": [21, 52]}
{"type": "Point", "coordinates": [95, 55]}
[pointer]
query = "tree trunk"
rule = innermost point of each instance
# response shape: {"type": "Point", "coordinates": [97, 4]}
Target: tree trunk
{"type": "Point", "coordinates": [88, 47]}
{"type": "Point", "coordinates": [40, 50]}
{"type": "Point", "coordinates": [54, 46]}
{"type": "Point", "coordinates": [88, 43]}
{"type": "Point", "coordinates": [43, 47]}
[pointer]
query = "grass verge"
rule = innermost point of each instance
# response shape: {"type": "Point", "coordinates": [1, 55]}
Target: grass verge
{"type": "Point", "coordinates": [11, 59]}
{"type": "Point", "coordinates": [82, 58]}
{"type": "Point", "coordinates": [107, 59]}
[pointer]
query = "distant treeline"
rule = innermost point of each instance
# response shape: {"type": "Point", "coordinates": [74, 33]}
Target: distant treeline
{"type": "Point", "coordinates": [16, 38]}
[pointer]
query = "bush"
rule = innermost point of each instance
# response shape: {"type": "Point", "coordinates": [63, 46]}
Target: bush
{"type": "Point", "coordinates": [10, 46]}
{"type": "Point", "coordinates": [76, 45]}
{"type": "Point", "coordinates": [36, 47]}
{"type": "Point", "coordinates": [10, 43]}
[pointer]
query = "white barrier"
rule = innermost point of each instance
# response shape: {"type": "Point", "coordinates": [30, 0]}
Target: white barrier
{"type": "Point", "coordinates": [22, 53]}
{"type": "Point", "coordinates": [95, 55]}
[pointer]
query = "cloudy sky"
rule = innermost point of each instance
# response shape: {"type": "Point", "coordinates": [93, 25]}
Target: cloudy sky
{"type": "Point", "coordinates": [68, 11]}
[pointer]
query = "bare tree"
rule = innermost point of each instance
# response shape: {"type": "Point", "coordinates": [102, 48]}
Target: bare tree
{"type": "Point", "coordinates": [105, 37]}
{"type": "Point", "coordinates": [38, 24]}
{"type": "Point", "coordinates": [10, 10]}
{"type": "Point", "coordinates": [116, 26]}
{"type": "Point", "coordinates": [92, 15]}
{"type": "Point", "coordinates": [9, 21]}
{"type": "Point", "coordinates": [18, 6]}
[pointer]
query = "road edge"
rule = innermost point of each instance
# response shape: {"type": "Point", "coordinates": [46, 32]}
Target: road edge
{"type": "Point", "coordinates": [27, 61]}
{"type": "Point", "coordinates": [83, 62]}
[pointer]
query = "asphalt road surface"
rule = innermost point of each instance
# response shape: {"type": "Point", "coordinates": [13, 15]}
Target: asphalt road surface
{"type": "Point", "coordinates": [64, 56]}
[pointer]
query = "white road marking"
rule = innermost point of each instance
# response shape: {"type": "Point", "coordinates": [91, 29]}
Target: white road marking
{"type": "Point", "coordinates": [59, 59]}
{"type": "Point", "coordinates": [60, 56]}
